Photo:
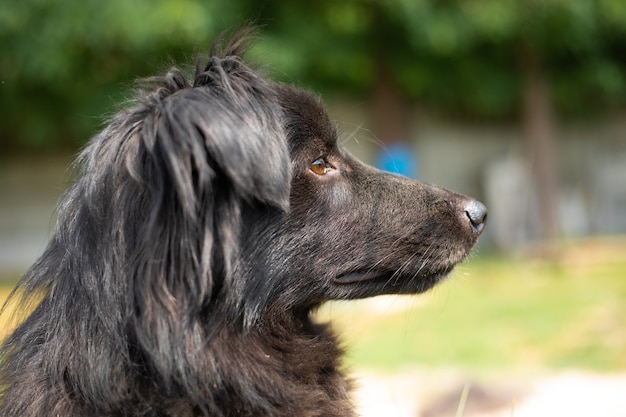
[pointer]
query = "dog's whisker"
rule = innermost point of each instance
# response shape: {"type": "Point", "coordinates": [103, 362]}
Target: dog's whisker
{"type": "Point", "coordinates": [398, 240]}
{"type": "Point", "coordinates": [369, 137]}
{"type": "Point", "coordinates": [400, 271]}
{"type": "Point", "coordinates": [426, 258]}
{"type": "Point", "coordinates": [351, 135]}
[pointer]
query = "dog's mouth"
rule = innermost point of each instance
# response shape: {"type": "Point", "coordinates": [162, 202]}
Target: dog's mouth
{"type": "Point", "coordinates": [369, 275]}
{"type": "Point", "coordinates": [360, 276]}
{"type": "Point", "coordinates": [372, 282]}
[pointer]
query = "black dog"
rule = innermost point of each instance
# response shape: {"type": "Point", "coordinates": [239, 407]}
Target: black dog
{"type": "Point", "coordinates": [210, 219]}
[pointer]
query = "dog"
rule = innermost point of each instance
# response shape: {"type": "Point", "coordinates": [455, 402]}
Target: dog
{"type": "Point", "coordinates": [209, 220]}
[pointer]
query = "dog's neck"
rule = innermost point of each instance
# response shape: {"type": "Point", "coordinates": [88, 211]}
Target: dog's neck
{"type": "Point", "coordinates": [301, 367]}
{"type": "Point", "coordinates": [304, 346]}
{"type": "Point", "coordinates": [287, 365]}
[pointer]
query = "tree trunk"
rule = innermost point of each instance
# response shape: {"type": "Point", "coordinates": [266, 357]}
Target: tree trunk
{"type": "Point", "coordinates": [539, 130]}
{"type": "Point", "coordinates": [389, 113]}
{"type": "Point", "coordinates": [389, 116]}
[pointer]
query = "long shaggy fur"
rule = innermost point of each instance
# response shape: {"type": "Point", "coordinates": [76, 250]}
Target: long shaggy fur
{"type": "Point", "coordinates": [192, 248]}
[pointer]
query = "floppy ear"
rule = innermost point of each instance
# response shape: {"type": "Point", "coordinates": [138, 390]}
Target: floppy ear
{"type": "Point", "coordinates": [203, 151]}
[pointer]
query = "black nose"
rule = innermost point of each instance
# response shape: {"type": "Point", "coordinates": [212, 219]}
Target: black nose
{"type": "Point", "coordinates": [476, 212]}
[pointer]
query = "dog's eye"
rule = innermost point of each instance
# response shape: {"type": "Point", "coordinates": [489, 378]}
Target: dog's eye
{"type": "Point", "coordinates": [319, 166]}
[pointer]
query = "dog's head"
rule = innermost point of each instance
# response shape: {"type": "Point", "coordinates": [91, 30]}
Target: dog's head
{"type": "Point", "coordinates": [352, 231]}
{"type": "Point", "coordinates": [231, 194]}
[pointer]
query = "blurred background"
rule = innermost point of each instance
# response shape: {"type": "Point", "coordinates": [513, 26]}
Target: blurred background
{"type": "Point", "coordinates": [520, 103]}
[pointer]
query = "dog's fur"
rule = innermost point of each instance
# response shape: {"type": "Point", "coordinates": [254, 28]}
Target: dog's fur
{"type": "Point", "coordinates": [192, 249]}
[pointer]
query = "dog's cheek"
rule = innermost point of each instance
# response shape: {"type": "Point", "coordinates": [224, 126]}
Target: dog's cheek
{"type": "Point", "coordinates": [311, 197]}
{"type": "Point", "coordinates": [323, 215]}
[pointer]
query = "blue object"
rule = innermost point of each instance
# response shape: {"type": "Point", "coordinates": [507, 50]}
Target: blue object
{"type": "Point", "coordinates": [397, 158]}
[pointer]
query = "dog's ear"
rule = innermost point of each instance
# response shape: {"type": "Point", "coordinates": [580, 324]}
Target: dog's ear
{"type": "Point", "coordinates": [227, 127]}
{"type": "Point", "coordinates": [203, 151]}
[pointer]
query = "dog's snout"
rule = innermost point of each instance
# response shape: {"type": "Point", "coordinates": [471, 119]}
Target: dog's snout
{"type": "Point", "coordinates": [476, 212]}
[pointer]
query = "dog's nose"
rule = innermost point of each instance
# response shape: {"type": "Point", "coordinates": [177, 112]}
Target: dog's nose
{"type": "Point", "coordinates": [476, 212]}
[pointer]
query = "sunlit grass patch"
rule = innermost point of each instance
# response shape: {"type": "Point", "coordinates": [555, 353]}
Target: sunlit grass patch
{"type": "Point", "coordinates": [6, 323]}
{"type": "Point", "coordinates": [15, 306]}
{"type": "Point", "coordinates": [493, 314]}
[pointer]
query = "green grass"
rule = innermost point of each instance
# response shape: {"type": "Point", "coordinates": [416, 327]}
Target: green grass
{"type": "Point", "coordinates": [497, 314]}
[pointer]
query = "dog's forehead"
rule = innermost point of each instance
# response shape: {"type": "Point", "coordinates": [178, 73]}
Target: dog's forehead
{"type": "Point", "coordinates": [306, 115]}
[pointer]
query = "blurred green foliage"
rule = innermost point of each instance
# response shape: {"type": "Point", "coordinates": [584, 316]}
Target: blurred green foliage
{"type": "Point", "coordinates": [66, 63]}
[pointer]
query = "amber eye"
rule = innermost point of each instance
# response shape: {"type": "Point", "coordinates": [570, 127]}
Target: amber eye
{"type": "Point", "coordinates": [319, 166]}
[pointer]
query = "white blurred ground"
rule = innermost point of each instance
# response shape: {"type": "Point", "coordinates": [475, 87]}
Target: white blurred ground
{"type": "Point", "coordinates": [435, 393]}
